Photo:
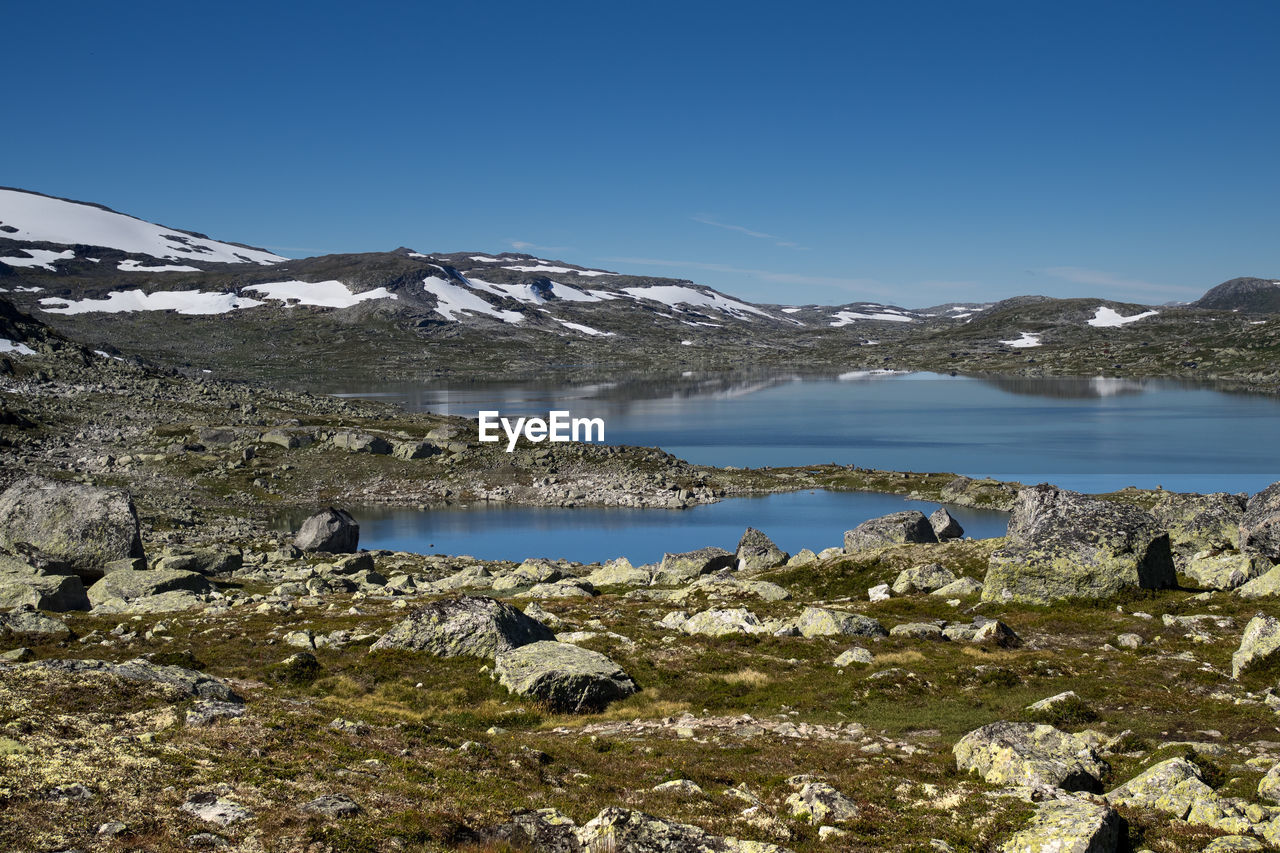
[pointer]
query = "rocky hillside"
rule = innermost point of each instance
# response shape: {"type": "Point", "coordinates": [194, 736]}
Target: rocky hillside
{"type": "Point", "coordinates": [130, 288]}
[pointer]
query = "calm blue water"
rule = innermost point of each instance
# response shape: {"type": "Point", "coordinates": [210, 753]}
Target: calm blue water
{"type": "Point", "coordinates": [796, 520]}
{"type": "Point", "coordinates": [1093, 435]}
{"type": "Point", "coordinates": [1088, 434]}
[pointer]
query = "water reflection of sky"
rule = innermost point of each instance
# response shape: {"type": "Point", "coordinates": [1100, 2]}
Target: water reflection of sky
{"type": "Point", "coordinates": [1091, 433]}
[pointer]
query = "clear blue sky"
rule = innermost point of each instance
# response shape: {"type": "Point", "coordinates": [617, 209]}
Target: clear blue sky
{"type": "Point", "coordinates": [912, 152]}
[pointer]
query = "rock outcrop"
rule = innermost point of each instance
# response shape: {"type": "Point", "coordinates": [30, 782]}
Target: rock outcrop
{"type": "Point", "coordinates": [332, 531]}
{"type": "Point", "coordinates": [1070, 825]}
{"type": "Point", "coordinates": [466, 625]}
{"type": "Point", "coordinates": [1037, 756]}
{"type": "Point", "coordinates": [1260, 643]}
{"type": "Point", "coordinates": [565, 678]}
{"type": "Point", "coordinates": [894, 529]}
{"type": "Point", "coordinates": [945, 527]}
{"type": "Point", "coordinates": [1260, 525]}
{"type": "Point", "coordinates": [68, 528]}
{"type": "Point", "coordinates": [1062, 544]}
{"type": "Point", "coordinates": [756, 551]}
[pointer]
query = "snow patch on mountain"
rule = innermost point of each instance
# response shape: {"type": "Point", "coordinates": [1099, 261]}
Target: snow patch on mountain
{"type": "Point", "coordinates": [1106, 318]}
{"type": "Point", "coordinates": [136, 266]}
{"type": "Point", "coordinates": [50, 220]}
{"type": "Point", "coordinates": [452, 300]}
{"type": "Point", "coordinates": [586, 330]}
{"type": "Point", "coordinates": [325, 294]}
{"type": "Point", "coordinates": [1026, 340]}
{"type": "Point", "coordinates": [40, 258]}
{"type": "Point", "coordinates": [845, 318]}
{"type": "Point", "coordinates": [555, 269]}
{"type": "Point", "coordinates": [182, 301]}
{"type": "Point", "coordinates": [7, 346]}
{"type": "Point", "coordinates": [674, 294]}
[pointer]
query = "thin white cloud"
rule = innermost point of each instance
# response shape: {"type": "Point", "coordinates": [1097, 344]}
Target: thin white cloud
{"type": "Point", "coordinates": [1102, 278]}
{"type": "Point", "coordinates": [521, 244]}
{"type": "Point", "coordinates": [526, 246]}
{"type": "Point", "coordinates": [778, 241]}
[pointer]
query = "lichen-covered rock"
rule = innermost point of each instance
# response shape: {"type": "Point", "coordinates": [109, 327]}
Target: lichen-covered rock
{"type": "Point", "coordinates": [1233, 844]}
{"type": "Point", "coordinates": [1213, 570]}
{"type": "Point", "coordinates": [206, 561]}
{"type": "Point", "coordinates": [720, 623]}
{"type": "Point", "coordinates": [68, 528]}
{"type": "Point", "coordinates": [414, 449]}
{"type": "Point", "coordinates": [28, 620]}
{"type": "Point", "coordinates": [1037, 756]}
{"type": "Point", "coordinates": [684, 567]}
{"type": "Point", "coordinates": [756, 551]}
{"type": "Point", "coordinates": [361, 442]}
{"type": "Point", "coordinates": [619, 572]}
{"type": "Point", "coordinates": [1260, 525]}
{"type": "Point", "coordinates": [1261, 587]}
{"type": "Point", "coordinates": [130, 585]}
{"type": "Point", "coordinates": [995, 632]}
{"type": "Point", "coordinates": [818, 803]}
{"type": "Point", "coordinates": [163, 602]}
{"type": "Point", "coordinates": [1070, 825]}
{"type": "Point", "coordinates": [21, 585]}
{"type": "Point", "coordinates": [333, 531]}
{"type": "Point", "coordinates": [1269, 787]}
{"type": "Point", "coordinates": [855, 654]}
{"type": "Point", "coordinates": [619, 830]}
{"type": "Point", "coordinates": [959, 588]}
{"type": "Point", "coordinates": [188, 682]}
{"type": "Point", "coordinates": [1063, 544]}
{"type": "Point", "coordinates": [332, 805]}
{"type": "Point", "coordinates": [945, 527]}
{"type": "Point", "coordinates": [923, 579]}
{"type": "Point", "coordinates": [542, 830]}
{"type": "Point", "coordinates": [918, 631]}
{"type": "Point", "coordinates": [288, 439]}
{"type": "Point", "coordinates": [209, 807]}
{"type": "Point", "coordinates": [822, 622]}
{"type": "Point", "coordinates": [1261, 640]}
{"type": "Point", "coordinates": [1199, 522]}
{"type": "Point", "coordinates": [466, 625]}
{"type": "Point", "coordinates": [528, 573]}
{"type": "Point", "coordinates": [566, 678]}
{"type": "Point", "coordinates": [1146, 789]}
{"type": "Point", "coordinates": [894, 529]}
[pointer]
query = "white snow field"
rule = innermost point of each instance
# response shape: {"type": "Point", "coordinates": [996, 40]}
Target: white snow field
{"type": "Point", "coordinates": [549, 268]}
{"type": "Point", "coordinates": [51, 220]}
{"type": "Point", "coordinates": [674, 294]}
{"type": "Point", "coordinates": [453, 299]}
{"type": "Point", "coordinates": [41, 258]}
{"type": "Point", "coordinates": [324, 294]}
{"type": "Point", "coordinates": [844, 318]}
{"type": "Point", "coordinates": [182, 301]}
{"type": "Point", "coordinates": [138, 266]}
{"type": "Point", "coordinates": [1027, 340]}
{"type": "Point", "coordinates": [578, 327]}
{"type": "Point", "coordinates": [1106, 318]}
{"type": "Point", "coordinates": [16, 348]}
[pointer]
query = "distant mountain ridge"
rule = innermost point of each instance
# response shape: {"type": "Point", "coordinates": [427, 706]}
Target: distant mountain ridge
{"type": "Point", "coordinates": [1252, 295]}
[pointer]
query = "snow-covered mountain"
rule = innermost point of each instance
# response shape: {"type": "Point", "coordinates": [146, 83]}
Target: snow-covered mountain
{"type": "Point", "coordinates": [27, 217]}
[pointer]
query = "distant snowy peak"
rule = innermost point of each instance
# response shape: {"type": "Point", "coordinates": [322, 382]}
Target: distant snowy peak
{"type": "Point", "coordinates": [33, 218]}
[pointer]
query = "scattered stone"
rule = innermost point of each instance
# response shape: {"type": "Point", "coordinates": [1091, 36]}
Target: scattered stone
{"type": "Point", "coordinates": [879, 593]}
{"type": "Point", "coordinates": [855, 654]}
{"type": "Point", "coordinates": [466, 625]}
{"type": "Point", "coordinates": [996, 633]}
{"type": "Point", "coordinates": [818, 802]}
{"type": "Point", "coordinates": [894, 529]}
{"type": "Point", "coordinates": [22, 585]}
{"type": "Point", "coordinates": [68, 528]}
{"type": "Point", "coordinates": [944, 526]}
{"type": "Point", "coordinates": [619, 572]}
{"type": "Point", "coordinates": [22, 654]}
{"type": "Point", "coordinates": [188, 681]}
{"type": "Point", "coordinates": [333, 805]}
{"type": "Point", "coordinates": [1062, 544]}
{"type": "Point", "coordinates": [206, 712]}
{"type": "Point", "coordinates": [684, 787]}
{"type": "Point", "coordinates": [210, 808]}
{"type": "Point", "coordinates": [803, 557]}
{"type": "Point", "coordinates": [414, 449]}
{"type": "Point", "coordinates": [1260, 642]}
{"type": "Point", "coordinates": [1269, 787]}
{"type": "Point", "coordinates": [636, 832]}
{"type": "Point", "coordinates": [918, 631]}
{"type": "Point", "coordinates": [130, 585]}
{"type": "Point", "coordinates": [541, 830]}
{"type": "Point", "coordinates": [923, 579]}
{"type": "Point", "coordinates": [288, 439]}
{"type": "Point", "coordinates": [1233, 844]}
{"type": "Point", "coordinates": [298, 669]}
{"type": "Point", "coordinates": [359, 442]}
{"type": "Point", "coordinates": [959, 588]}
{"type": "Point", "coordinates": [1070, 825]}
{"type": "Point", "coordinates": [332, 531]}
{"type": "Point", "coordinates": [681, 568]}
{"type": "Point", "coordinates": [1039, 756]}
{"type": "Point", "coordinates": [1057, 704]}
{"type": "Point", "coordinates": [1129, 641]}
{"type": "Point", "coordinates": [756, 551]}
{"type": "Point", "coordinates": [73, 793]}
{"type": "Point", "coordinates": [568, 679]}
{"type": "Point", "coordinates": [821, 622]}
{"type": "Point", "coordinates": [28, 620]}
{"type": "Point", "coordinates": [720, 623]}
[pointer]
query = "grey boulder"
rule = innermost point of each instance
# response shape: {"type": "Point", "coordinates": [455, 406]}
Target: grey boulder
{"type": "Point", "coordinates": [899, 528]}
{"type": "Point", "coordinates": [679, 568]}
{"type": "Point", "coordinates": [566, 678]}
{"type": "Point", "coordinates": [21, 585]}
{"type": "Point", "coordinates": [756, 551]}
{"type": "Point", "coordinates": [944, 526]}
{"type": "Point", "coordinates": [188, 682]}
{"type": "Point", "coordinates": [620, 829]}
{"type": "Point", "coordinates": [823, 622]}
{"type": "Point", "coordinates": [1027, 754]}
{"type": "Point", "coordinates": [469, 625]}
{"type": "Point", "coordinates": [332, 531]}
{"type": "Point", "coordinates": [129, 585]}
{"type": "Point", "coordinates": [1070, 825]}
{"type": "Point", "coordinates": [923, 579]}
{"type": "Point", "coordinates": [68, 528]}
{"type": "Point", "coordinates": [1062, 544]}
{"type": "Point", "coordinates": [1259, 528]}
{"type": "Point", "coordinates": [1260, 643]}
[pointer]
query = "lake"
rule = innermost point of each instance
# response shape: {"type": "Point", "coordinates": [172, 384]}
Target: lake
{"type": "Point", "coordinates": [794, 520]}
{"type": "Point", "coordinates": [1090, 434]}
